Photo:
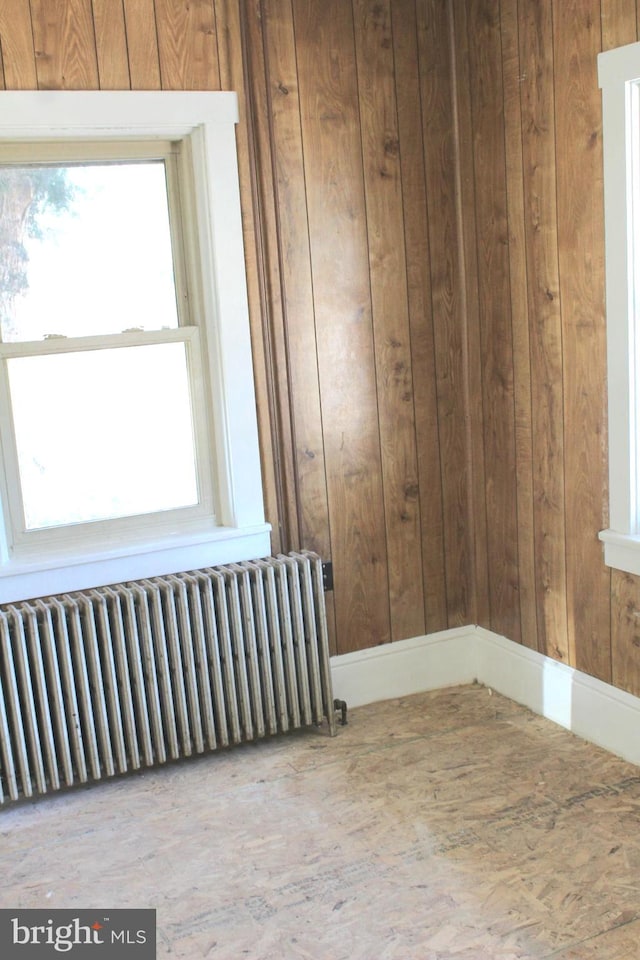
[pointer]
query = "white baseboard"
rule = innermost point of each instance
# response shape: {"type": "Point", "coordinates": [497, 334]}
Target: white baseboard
{"type": "Point", "coordinates": [405, 667]}
{"type": "Point", "coordinates": [596, 711]}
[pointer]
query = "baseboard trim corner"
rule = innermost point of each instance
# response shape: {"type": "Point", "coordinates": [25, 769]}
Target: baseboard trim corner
{"type": "Point", "coordinates": [594, 710]}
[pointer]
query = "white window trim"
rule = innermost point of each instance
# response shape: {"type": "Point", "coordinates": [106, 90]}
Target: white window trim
{"type": "Point", "coordinates": [619, 80]}
{"type": "Point", "coordinates": [207, 120]}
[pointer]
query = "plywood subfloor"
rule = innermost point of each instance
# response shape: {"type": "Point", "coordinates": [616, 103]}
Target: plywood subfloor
{"type": "Point", "coordinates": [453, 824]}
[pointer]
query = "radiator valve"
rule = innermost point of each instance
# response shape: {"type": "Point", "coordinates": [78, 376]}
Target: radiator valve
{"type": "Point", "coordinates": [341, 705]}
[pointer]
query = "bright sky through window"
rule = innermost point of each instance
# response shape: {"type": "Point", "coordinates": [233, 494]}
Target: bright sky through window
{"type": "Point", "coordinates": [104, 432]}
{"type": "Point", "coordinates": [104, 264]}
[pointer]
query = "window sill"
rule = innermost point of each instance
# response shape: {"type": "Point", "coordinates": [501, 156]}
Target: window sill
{"type": "Point", "coordinates": [26, 580]}
{"type": "Point", "coordinates": [621, 551]}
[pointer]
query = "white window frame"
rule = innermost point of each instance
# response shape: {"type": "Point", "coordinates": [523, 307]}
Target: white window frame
{"type": "Point", "coordinates": [206, 121]}
{"type": "Point", "coordinates": [619, 80]}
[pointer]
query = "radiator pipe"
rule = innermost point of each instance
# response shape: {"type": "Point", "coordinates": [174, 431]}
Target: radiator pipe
{"type": "Point", "coordinates": [341, 705]}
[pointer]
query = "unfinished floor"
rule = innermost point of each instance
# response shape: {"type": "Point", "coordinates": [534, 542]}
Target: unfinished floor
{"type": "Point", "coordinates": [453, 824]}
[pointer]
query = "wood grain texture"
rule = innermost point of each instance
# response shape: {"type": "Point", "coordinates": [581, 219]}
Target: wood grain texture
{"type": "Point", "coordinates": [230, 17]}
{"type": "Point", "coordinates": [111, 44]}
{"type": "Point", "coordinates": [339, 257]}
{"type": "Point", "coordinates": [390, 313]}
{"type": "Point", "coordinates": [298, 310]}
{"type": "Point", "coordinates": [496, 348]}
{"type": "Point", "coordinates": [581, 262]}
{"type": "Point", "coordinates": [414, 200]}
{"type": "Point", "coordinates": [142, 44]}
{"type": "Point", "coordinates": [292, 302]}
{"type": "Point", "coordinates": [16, 42]}
{"type": "Point", "coordinates": [236, 74]}
{"type": "Point", "coordinates": [439, 144]}
{"type": "Point", "coordinates": [625, 632]}
{"type": "Point", "coordinates": [513, 162]}
{"type": "Point", "coordinates": [268, 262]}
{"type": "Point", "coordinates": [187, 45]}
{"type": "Point", "coordinates": [64, 41]}
{"type": "Point", "coordinates": [539, 156]}
{"type": "Point", "coordinates": [471, 346]}
{"type": "Point", "coordinates": [618, 22]}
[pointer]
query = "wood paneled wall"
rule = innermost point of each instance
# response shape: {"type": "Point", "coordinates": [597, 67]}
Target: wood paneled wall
{"type": "Point", "coordinates": [366, 315]}
{"type": "Point", "coordinates": [532, 125]}
{"type": "Point", "coordinates": [422, 198]}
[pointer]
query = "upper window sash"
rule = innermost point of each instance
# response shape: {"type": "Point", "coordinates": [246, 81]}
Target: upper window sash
{"type": "Point", "coordinates": [160, 161]}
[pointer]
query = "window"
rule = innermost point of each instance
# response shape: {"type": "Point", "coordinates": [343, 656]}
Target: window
{"type": "Point", "coordinates": [103, 378]}
{"type": "Point", "coordinates": [127, 410]}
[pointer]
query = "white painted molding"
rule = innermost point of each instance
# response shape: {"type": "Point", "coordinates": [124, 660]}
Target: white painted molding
{"type": "Point", "coordinates": [444, 659]}
{"type": "Point", "coordinates": [621, 551]}
{"type": "Point", "coordinates": [593, 710]}
{"type": "Point", "coordinates": [596, 711]}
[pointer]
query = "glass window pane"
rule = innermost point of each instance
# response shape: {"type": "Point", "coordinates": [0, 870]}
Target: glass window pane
{"type": "Point", "coordinates": [103, 434]}
{"type": "Point", "coordinates": [85, 250]}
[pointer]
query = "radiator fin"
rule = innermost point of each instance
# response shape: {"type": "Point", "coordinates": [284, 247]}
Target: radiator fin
{"type": "Point", "coordinates": [110, 680]}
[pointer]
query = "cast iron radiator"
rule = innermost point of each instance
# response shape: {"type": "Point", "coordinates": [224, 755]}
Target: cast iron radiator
{"type": "Point", "coordinates": [105, 681]}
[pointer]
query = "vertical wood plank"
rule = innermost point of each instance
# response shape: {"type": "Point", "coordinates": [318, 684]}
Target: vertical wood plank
{"type": "Point", "coordinates": [111, 44]}
{"type": "Point", "coordinates": [470, 309]}
{"type": "Point", "coordinates": [618, 23]}
{"type": "Point", "coordinates": [234, 24]}
{"type": "Point", "coordinates": [17, 45]}
{"type": "Point", "coordinates": [446, 271]}
{"type": "Point", "coordinates": [291, 290]}
{"type": "Point", "coordinates": [142, 44]}
{"type": "Point", "coordinates": [539, 158]}
{"type": "Point", "coordinates": [390, 313]}
{"type": "Point", "coordinates": [581, 263]}
{"type": "Point", "coordinates": [296, 277]}
{"type": "Point", "coordinates": [512, 79]}
{"type": "Point", "coordinates": [273, 330]}
{"type": "Point", "coordinates": [230, 16]}
{"type": "Point", "coordinates": [339, 257]}
{"type": "Point", "coordinates": [496, 360]}
{"type": "Point", "coordinates": [417, 252]}
{"type": "Point", "coordinates": [187, 45]}
{"type": "Point", "coordinates": [625, 634]}
{"type": "Point", "coordinates": [65, 44]}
